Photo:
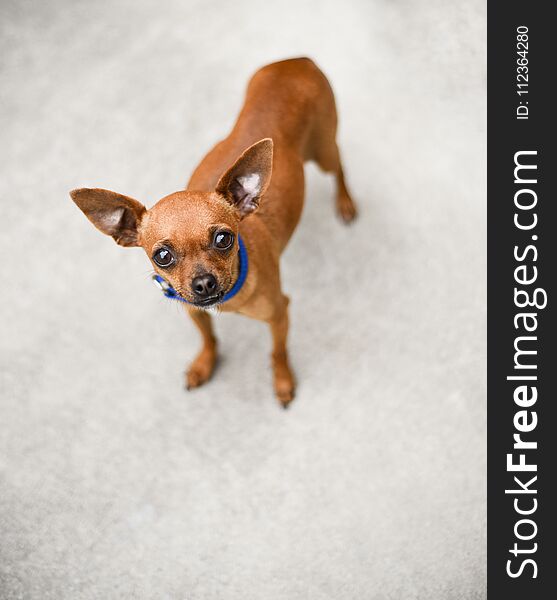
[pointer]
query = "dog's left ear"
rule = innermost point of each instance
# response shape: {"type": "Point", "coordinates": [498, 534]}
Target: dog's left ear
{"type": "Point", "coordinates": [248, 178]}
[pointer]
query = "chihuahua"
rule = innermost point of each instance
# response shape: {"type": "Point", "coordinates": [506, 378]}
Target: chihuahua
{"type": "Point", "coordinates": [218, 242]}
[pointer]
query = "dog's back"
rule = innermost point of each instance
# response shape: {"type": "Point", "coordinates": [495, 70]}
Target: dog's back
{"type": "Point", "coordinates": [291, 102]}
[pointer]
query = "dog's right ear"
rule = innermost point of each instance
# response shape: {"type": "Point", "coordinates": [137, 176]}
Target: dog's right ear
{"type": "Point", "coordinates": [111, 213]}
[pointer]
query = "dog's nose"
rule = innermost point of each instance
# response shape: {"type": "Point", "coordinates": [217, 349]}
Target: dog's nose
{"type": "Point", "coordinates": [204, 286]}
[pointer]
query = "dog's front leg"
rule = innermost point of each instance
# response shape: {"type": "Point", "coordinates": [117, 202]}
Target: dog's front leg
{"type": "Point", "coordinates": [202, 367]}
{"type": "Point", "coordinates": [283, 379]}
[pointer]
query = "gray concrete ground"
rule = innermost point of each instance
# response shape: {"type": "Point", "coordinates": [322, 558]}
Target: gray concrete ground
{"type": "Point", "coordinates": [115, 482]}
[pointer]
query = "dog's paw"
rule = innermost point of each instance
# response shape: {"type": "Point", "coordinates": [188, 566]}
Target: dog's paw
{"type": "Point", "coordinates": [346, 208]}
{"type": "Point", "coordinates": [200, 371]}
{"type": "Point", "coordinates": [283, 380]}
{"type": "Point", "coordinates": [285, 389]}
{"type": "Point", "coordinates": [195, 378]}
{"type": "Point", "coordinates": [285, 396]}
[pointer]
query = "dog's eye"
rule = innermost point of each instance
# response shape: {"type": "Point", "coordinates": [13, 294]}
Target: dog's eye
{"type": "Point", "coordinates": [163, 257]}
{"type": "Point", "coordinates": [223, 240]}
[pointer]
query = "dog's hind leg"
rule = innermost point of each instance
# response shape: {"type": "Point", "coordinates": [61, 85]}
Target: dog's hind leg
{"type": "Point", "coordinates": [344, 204]}
{"type": "Point", "coordinates": [327, 156]}
{"type": "Point", "coordinates": [323, 148]}
{"type": "Point", "coordinates": [203, 365]}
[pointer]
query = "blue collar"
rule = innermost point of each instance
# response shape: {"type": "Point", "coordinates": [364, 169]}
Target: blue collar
{"type": "Point", "coordinates": [170, 292]}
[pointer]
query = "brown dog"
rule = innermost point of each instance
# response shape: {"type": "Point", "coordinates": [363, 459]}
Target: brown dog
{"type": "Point", "coordinates": [193, 237]}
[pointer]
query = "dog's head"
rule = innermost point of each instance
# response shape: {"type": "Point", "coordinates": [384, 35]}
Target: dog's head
{"type": "Point", "coordinates": [190, 237]}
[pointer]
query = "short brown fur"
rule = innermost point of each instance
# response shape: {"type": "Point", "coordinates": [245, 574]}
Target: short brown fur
{"type": "Point", "coordinates": [251, 183]}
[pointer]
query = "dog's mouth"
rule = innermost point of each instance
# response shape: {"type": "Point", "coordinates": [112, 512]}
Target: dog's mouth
{"type": "Point", "coordinates": [210, 301]}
